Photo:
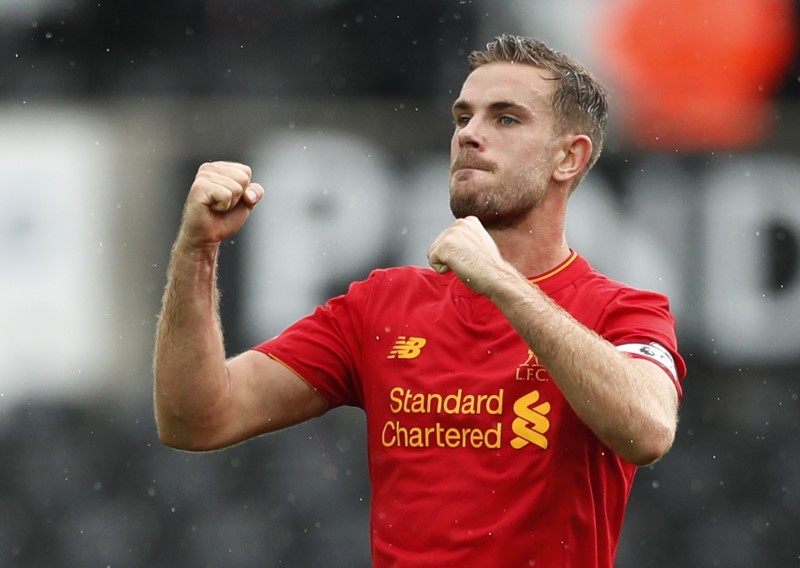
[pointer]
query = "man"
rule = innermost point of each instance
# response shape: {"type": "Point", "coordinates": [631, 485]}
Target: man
{"type": "Point", "coordinates": [510, 393]}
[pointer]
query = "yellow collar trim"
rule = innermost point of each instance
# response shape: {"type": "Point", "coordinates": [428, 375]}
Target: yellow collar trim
{"type": "Point", "coordinates": [556, 270]}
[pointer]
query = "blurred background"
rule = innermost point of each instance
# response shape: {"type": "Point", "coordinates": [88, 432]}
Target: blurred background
{"type": "Point", "coordinates": [342, 108]}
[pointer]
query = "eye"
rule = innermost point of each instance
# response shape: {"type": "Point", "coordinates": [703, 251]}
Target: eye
{"type": "Point", "coordinates": [506, 120]}
{"type": "Point", "coordinates": [461, 120]}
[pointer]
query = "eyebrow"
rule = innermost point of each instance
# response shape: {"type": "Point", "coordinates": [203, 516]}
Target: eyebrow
{"type": "Point", "coordinates": [497, 106]}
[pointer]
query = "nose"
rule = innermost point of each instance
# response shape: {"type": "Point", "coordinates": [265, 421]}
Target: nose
{"type": "Point", "coordinates": [469, 135]}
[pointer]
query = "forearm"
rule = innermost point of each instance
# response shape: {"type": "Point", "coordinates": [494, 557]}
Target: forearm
{"type": "Point", "coordinates": [189, 361]}
{"type": "Point", "coordinates": [606, 389]}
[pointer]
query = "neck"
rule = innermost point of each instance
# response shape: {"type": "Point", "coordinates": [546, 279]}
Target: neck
{"type": "Point", "coordinates": [539, 243]}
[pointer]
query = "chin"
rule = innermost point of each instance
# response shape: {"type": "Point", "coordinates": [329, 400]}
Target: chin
{"type": "Point", "coordinates": [491, 217]}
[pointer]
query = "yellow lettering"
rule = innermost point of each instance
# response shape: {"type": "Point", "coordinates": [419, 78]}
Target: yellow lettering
{"type": "Point", "coordinates": [437, 398]}
{"type": "Point", "coordinates": [394, 434]}
{"type": "Point", "coordinates": [494, 403]}
{"type": "Point", "coordinates": [452, 438]}
{"type": "Point", "coordinates": [476, 438]}
{"type": "Point", "coordinates": [395, 395]}
{"type": "Point", "coordinates": [405, 400]}
{"type": "Point", "coordinates": [435, 434]}
{"type": "Point", "coordinates": [415, 437]}
{"type": "Point", "coordinates": [493, 437]}
{"type": "Point", "coordinates": [388, 440]}
{"type": "Point", "coordinates": [471, 404]}
{"type": "Point", "coordinates": [525, 374]}
{"type": "Point", "coordinates": [430, 431]}
{"type": "Point", "coordinates": [452, 403]}
{"type": "Point", "coordinates": [418, 403]}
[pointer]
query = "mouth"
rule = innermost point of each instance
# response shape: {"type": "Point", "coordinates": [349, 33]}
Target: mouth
{"type": "Point", "coordinates": [467, 166]}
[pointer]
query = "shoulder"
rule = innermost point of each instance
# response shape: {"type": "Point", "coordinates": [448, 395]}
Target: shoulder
{"type": "Point", "coordinates": [622, 294]}
{"type": "Point", "coordinates": [403, 276]}
{"type": "Point", "coordinates": [604, 304]}
{"type": "Point", "coordinates": [397, 289]}
{"type": "Point", "coordinates": [599, 284]}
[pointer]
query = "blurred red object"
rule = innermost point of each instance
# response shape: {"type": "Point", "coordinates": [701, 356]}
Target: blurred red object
{"type": "Point", "coordinates": [698, 74]}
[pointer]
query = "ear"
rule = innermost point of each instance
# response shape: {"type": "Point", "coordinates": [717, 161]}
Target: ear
{"type": "Point", "coordinates": [574, 156]}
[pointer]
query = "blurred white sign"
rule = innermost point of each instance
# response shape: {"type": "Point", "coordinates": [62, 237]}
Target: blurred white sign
{"type": "Point", "coordinates": [23, 9]}
{"type": "Point", "coordinates": [720, 240]}
{"type": "Point", "coordinates": [55, 284]}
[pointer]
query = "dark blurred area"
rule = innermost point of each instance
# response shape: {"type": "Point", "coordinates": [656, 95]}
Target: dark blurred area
{"type": "Point", "coordinates": [272, 48]}
{"type": "Point", "coordinates": [86, 483]}
{"type": "Point", "coordinates": [90, 486]}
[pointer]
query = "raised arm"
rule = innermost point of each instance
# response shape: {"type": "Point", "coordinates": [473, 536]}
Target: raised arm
{"type": "Point", "coordinates": [630, 404]}
{"type": "Point", "coordinates": [202, 400]}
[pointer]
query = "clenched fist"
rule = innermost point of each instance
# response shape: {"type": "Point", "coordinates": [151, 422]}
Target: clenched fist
{"type": "Point", "coordinates": [467, 249]}
{"type": "Point", "coordinates": [219, 202]}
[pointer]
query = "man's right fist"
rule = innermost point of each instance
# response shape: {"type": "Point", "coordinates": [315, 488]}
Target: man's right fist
{"type": "Point", "coordinates": [219, 202]}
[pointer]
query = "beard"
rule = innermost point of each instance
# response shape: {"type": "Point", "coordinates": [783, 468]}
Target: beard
{"type": "Point", "coordinates": [498, 203]}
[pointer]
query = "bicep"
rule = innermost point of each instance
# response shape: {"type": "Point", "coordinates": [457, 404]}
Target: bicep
{"type": "Point", "coordinates": [265, 396]}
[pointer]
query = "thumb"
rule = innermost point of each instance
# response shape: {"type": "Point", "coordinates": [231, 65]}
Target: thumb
{"type": "Point", "coordinates": [437, 263]}
{"type": "Point", "coordinates": [253, 194]}
{"type": "Point", "coordinates": [439, 267]}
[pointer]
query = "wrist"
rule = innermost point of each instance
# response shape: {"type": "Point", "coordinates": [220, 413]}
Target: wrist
{"type": "Point", "coordinates": [507, 281]}
{"type": "Point", "coordinates": [198, 253]}
{"type": "Point", "coordinates": [514, 294]}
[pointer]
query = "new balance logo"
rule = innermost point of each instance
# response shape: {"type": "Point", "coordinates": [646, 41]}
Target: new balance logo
{"type": "Point", "coordinates": [407, 347]}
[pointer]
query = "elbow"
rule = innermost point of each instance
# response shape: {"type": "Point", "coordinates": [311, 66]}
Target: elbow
{"type": "Point", "coordinates": [652, 445]}
{"type": "Point", "coordinates": [180, 429]}
{"type": "Point", "coordinates": [179, 434]}
{"type": "Point", "coordinates": [171, 440]}
{"type": "Point", "coordinates": [186, 442]}
{"type": "Point", "coordinates": [176, 439]}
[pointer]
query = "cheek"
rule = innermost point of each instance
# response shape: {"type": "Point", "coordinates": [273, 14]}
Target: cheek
{"type": "Point", "coordinates": [454, 147]}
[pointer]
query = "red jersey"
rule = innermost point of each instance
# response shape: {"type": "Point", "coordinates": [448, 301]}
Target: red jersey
{"type": "Point", "coordinates": [476, 458]}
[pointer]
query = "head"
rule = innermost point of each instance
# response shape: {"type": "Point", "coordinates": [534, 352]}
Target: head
{"type": "Point", "coordinates": [559, 102]}
{"type": "Point", "coordinates": [578, 100]}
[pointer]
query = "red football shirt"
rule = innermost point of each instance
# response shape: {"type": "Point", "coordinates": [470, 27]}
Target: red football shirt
{"type": "Point", "coordinates": [475, 457]}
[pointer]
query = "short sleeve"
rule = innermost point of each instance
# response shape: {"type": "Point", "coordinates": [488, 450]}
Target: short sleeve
{"type": "Point", "coordinates": [640, 317]}
{"type": "Point", "coordinates": [323, 348]}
